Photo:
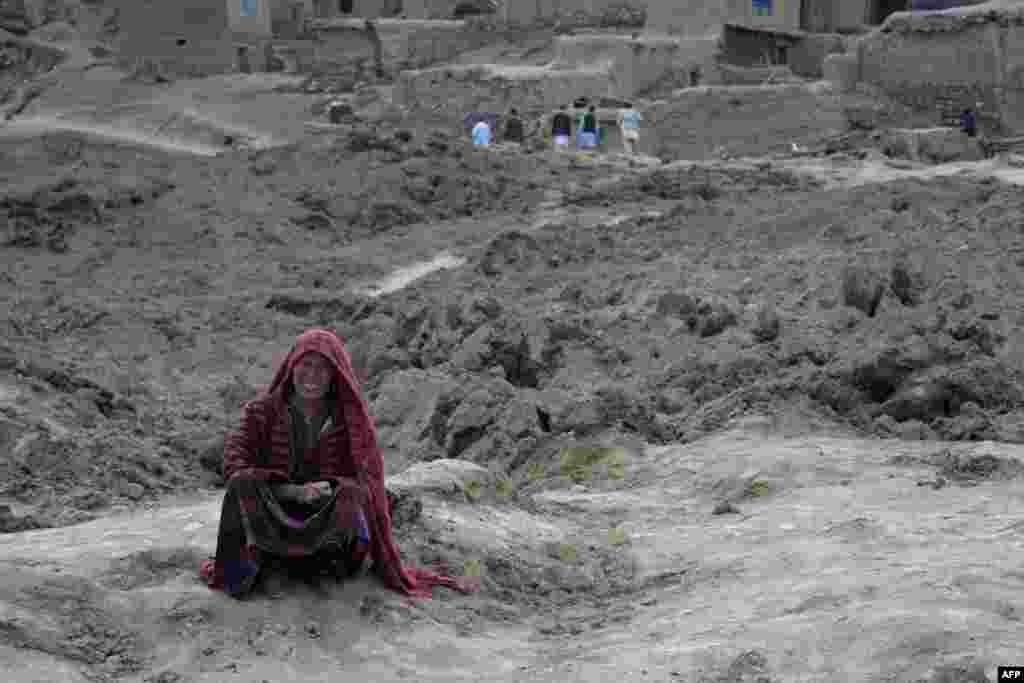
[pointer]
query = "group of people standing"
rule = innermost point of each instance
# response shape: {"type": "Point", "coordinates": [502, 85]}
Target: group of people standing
{"type": "Point", "coordinates": [515, 130]}
{"type": "Point", "coordinates": [584, 127]}
{"type": "Point", "coordinates": [587, 130]}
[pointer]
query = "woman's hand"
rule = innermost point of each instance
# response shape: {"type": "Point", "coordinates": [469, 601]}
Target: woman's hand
{"type": "Point", "coordinates": [314, 492]}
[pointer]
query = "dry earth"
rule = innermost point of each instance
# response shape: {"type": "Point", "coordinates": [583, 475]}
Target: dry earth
{"type": "Point", "coordinates": [697, 421]}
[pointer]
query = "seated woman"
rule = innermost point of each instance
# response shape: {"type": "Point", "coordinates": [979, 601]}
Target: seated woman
{"type": "Point", "coordinates": [305, 480]}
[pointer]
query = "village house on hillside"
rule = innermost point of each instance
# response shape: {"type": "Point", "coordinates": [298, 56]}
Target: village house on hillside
{"type": "Point", "coordinates": [674, 16]}
{"type": "Point", "coordinates": [191, 38]}
{"type": "Point", "coordinates": [694, 17]}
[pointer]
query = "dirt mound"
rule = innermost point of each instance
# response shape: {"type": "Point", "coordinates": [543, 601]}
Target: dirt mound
{"type": "Point", "coordinates": [977, 467]}
{"type": "Point", "coordinates": [404, 177]}
{"type": "Point", "coordinates": [704, 293]}
{"type": "Point", "coordinates": [63, 617]}
{"type": "Point", "coordinates": [13, 523]}
{"type": "Point", "coordinates": [48, 215]}
{"type": "Point", "coordinates": [685, 181]}
{"type": "Point", "coordinates": [940, 371]}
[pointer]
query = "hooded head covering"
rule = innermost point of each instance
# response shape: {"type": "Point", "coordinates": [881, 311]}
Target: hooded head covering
{"type": "Point", "coordinates": [350, 406]}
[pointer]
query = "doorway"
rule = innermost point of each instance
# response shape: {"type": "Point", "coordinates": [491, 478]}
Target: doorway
{"type": "Point", "coordinates": [881, 9]}
{"type": "Point", "coordinates": [244, 66]}
{"type": "Point", "coordinates": [345, 6]}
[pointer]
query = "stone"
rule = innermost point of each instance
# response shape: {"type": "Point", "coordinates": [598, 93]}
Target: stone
{"type": "Point", "coordinates": [340, 112]}
{"type": "Point", "coordinates": [921, 400]}
{"type": "Point", "coordinates": [474, 351]}
{"type": "Point", "coordinates": [512, 249]}
{"type": "Point", "coordinates": [390, 360]}
{"type": "Point", "coordinates": [405, 505]}
{"type": "Point", "coordinates": [712, 319]}
{"type": "Point", "coordinates": [914, 430]}
{"type": "Point", "coordinates": [132, 490]}
{"type": "Point", "coordinates": [767, 327]}
{"type": "Point", "coordinates": [211, 455]}
{"type": "Point", "coordinates": [448, 479]}
{"type": "Point", "coordinates": [931, 145]}
{"type": "Point", "coordinates": [968, 671]}
{"type": "Point", "coordinates": [677, 304]}
{"type": "Point", "coordinates": [906, 284]}
{"type": "Point", "coordinates": [882, 371]}
{"type": "Point", "coordinates": [409, 408]}
{"type": "Point", "coordinates": [11, 432]}
{"type": "Point", "coordinates": [725, 507]}
{"type": "Point", "coordinates": [502, 343]}
{"type": "Point", "coordinates": [12, 523]}
{"type": "Point", "coordinates": [567, 412]}
{"type": "Point", "coordinates": [862, 289]}
{"type": "Point", "coordinates": [885, 424]}
{"type": "Point", "coordinates": [8, 358]}
{"type": "Point", "coordinates": [750, 667]}
{"type": "Point", "coordinates": [474, 414]}
{"type": "Point", "coordinates": [841, 71]}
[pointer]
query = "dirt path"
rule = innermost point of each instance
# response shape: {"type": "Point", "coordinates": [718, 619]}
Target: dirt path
{"type": "Point", "coordinates": [839, 564]}
{"type": "Point", "coordinates": [878, 170]}
{"type": "Point", "coordinates": [191, 116]}
{"type": "Point", "coordinates": [37, 126]}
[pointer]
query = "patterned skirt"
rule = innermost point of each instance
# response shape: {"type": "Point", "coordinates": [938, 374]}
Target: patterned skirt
{"type": "Point", "coordinates": [257, 529]}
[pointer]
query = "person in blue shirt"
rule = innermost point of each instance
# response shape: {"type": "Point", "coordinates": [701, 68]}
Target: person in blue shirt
{"type": "Point", "coordinates": [481, 134]}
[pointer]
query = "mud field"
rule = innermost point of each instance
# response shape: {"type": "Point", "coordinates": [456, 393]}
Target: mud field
{"type": "Point", "coordinates": [690, 421]}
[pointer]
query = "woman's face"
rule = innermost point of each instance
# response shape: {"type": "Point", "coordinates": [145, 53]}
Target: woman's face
{"type": "Point", "coordinates": [312, 376]}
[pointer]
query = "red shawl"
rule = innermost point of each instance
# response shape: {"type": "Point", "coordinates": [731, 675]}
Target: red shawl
{"type": "Point", "coordinates": [369, 463]}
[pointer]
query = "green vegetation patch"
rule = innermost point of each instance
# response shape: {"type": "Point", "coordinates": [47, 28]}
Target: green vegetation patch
{"type": "Point", "coordinates": [580, 462]}
{"type": "Point", "coordinates": [758, 488]}
{"type": "Point", "coordinates": [567, 552]}
{"type": "Point", "coordinates": [473, 490]}
{"type": "Point", "coordinates": [617, 536]}
{"type": "Point", "coordinates": [503, 487]}
{"type": "Point", "coordinates": [535, 471]}
{"type": "Point", "coordinates": [472, 568]}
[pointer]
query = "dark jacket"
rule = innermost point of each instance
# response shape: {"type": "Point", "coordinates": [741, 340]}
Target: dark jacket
{"type": "Point", "coordinates": [514, 131]}
{"type": "Point", "coordinates": [969, 123]}
{"type": "Point", "coordinates": [562, 124]}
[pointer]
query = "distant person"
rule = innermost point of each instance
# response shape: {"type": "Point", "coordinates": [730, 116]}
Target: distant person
{"type": "Point", "coordinates": [481, 134]}
{"type": "Point", "coordinates": [580, 106]}
{"type": "Point", "coordinates": [561, 128]}
{"type": "Point", "coordinates": [629, 124]}
{"type": "Point", "coordinates": [588, 129]}
{"type": "Point", "coordinates": [514, 129]}
{"type": "Point", "coordinates": [969, 122]}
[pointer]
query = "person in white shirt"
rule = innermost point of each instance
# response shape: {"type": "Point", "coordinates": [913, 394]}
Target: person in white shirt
{"type": "Point", "coordinates": [629, 124]}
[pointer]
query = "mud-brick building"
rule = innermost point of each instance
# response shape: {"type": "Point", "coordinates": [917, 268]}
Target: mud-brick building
{"type": "Point", "coordinates": [194, 38]}
{"type": "Point", "coordinates": [697, 17]}
{"type": "Point", "coordinates": [369, 9]}
{"type": "Point", "coordinates": [265, 18]}
{"type": "Point", "coordinates": [927, 67]}
{"type": "Point", "coordinates": [181, 38]}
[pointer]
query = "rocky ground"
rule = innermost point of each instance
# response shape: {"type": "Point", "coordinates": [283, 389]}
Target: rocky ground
{"type": "Point", "coordinates": [688, 421]}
